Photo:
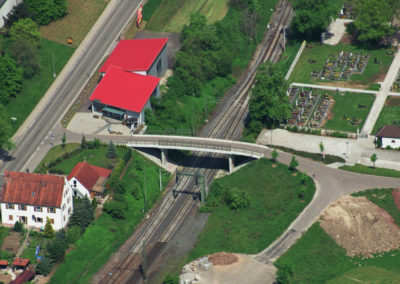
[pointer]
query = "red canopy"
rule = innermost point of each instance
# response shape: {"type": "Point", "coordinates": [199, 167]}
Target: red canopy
{"type": "Point", "coordinates": [20, 262]}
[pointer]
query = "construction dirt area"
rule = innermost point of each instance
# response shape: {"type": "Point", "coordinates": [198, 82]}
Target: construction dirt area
{"type": "Point", "coordinates": [360, 226]}
{"type": "Point", "coordinates": [228, 268]}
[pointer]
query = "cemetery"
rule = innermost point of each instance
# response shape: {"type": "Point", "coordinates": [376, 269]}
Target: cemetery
{"type": "Point", "coordinates": [396, 83]}
{"type": "Point", "coordinates": [342, 65]}
{"type": "Point", "coordinates": [317, 108]}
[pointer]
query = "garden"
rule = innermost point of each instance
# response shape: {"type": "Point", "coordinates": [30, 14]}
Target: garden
{"type": "Point", "coordinates": [389, 115]}
{"type": "Point", "coordinates": [336, 65]}
{"type": "Point", "coordinates": [317, 258]}
{"type": "Point", "coordinates": [340, 111]}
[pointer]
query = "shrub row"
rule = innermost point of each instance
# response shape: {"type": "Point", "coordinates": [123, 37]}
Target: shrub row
{"type": "Point", "coordinates": [312, 131]}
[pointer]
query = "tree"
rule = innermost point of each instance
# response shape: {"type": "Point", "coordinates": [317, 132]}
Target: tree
{"type": "Point", "coordinates": [237, 199]}
{"type": "Point", "coordinates": [59, 9]}
{"type": "Point", "coordinates": [84, 143]}
{"type": "Point", "coordinates": [26, 29]}
{"type": "Point", "coordinates": [5, 130]}
{"type": "Point", "coordinates": [274, 155]}
{"type": "Point", "coordinates": [18, 227]}
{"type": "Point", "coordinates": [26, 56]}
{"type": "Point", "coordinates": [73, 234]}
{"type": "Point", "coordinates": [45, 11]}
{"type": "Point", "coordinates": [83, 213]}
{"type": "Point", "coordinates": [128, 155]}
{"type": "Point", "coordinates": [44, 266]}
{"type": "Point", "coordinates": [269, 103]}
{"type": "Point", "coordinates": [373, 159]}
{"type": "Point", "coordinates": [293, 163]}
{"type": "Point", "coordinates": [322, 148]}
{"type": "Point", "coordinates": [63, 139]}
{"type": "Point", "coordinates": [373, 24]}
{"type": "Point", "coordinates": [18, 12]}
{"type": "Point", "coordinates": [171, 279]}
{"type": "Point", "coordinates": [284, 274]}
{"type": "Point", "coordinates": [56, 249]}
{"type": "Point", "coordinates": [112, 152]}
{"type": "Point", "coordinates": [48, 229]}
{"type": "Point", "coordinates": [115, 208]}
{"type": "Point", "coordinates": [10, 79]}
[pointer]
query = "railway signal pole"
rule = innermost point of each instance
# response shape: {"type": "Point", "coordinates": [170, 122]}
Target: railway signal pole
{"type": "Point", "coordinates": [199, 178]}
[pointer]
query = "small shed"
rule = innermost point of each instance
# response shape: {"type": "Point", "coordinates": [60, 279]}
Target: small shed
{"type": "Point", "coordinates": [389, 135]}
{"type": "Point", "coordinates": [20, 263]}
{"type": "Point", "coordinates": [3, 264]}
{"type": "Point", "coordinates": [24, 277]}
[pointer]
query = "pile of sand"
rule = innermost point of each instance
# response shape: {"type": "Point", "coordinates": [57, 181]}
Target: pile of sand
{"type": "Point", "coordinates": [360, 226]}
{"type": "Point", "coordinates": [222, 258]}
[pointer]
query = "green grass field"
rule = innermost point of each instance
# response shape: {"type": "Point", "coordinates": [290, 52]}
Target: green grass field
{"type": "Point", "coordinates": [34, 88]}
{"type": "Point", "coordinates": [316, 258]}
{"type": "Point", "coordinates": [346, 109]}
{"type": "Point", "coordinates": [320, 53]}
{"type": "Point", "coordinates": [274, 205]}
{"type": "Point", "coordinates": [81, 16]}
{"type": "Point", "coordinates": [288, 56]}
{"type": "Point", "coordinates": [105, 235]}
{"type": "Point", "coordinates": [390, 114]}
{"type": "Point", "coordinates": [172, 15]}
{"type": "Point", "coordinates": [371, 171]}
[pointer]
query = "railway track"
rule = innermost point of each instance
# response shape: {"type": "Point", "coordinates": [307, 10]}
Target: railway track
{"type": "Point", "coordinates": [228, 125]}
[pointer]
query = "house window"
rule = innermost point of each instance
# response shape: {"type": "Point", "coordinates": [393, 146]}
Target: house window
{"type": "Point", "coordinates": [64, 217]}
{"type": "Point", "coordinates": [22, 207]}
{"type": "Point", "coordinates": [39, 220]}
{"type": "Point", "coordinates": [74, 183]}
{"type": "Point", "coordinates": [10, 217]}
{"type": "Point", "coordinates": [52, 221]}
{"type": "Point", "coordinates": [10, 206]}
{"type": "Point", "coordinates": [393, 141]}
{"type": "Point", "coordinates": [38, 208]}
{"type": "Point", "coordinates": [23, 219]}
{"type": "Point", "coordinates": [63, 207]}
{"type": "Point", "coordinates": [69, 210]}
{"type": "Point", "coordinates": [51, 210]}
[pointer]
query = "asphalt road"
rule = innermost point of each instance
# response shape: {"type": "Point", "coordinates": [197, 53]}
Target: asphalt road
{"type": "Point", "coordinates": [67, 89]}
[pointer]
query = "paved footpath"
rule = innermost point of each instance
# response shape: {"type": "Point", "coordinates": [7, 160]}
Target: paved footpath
{"type": "Point", "coordinates": [381, 96]}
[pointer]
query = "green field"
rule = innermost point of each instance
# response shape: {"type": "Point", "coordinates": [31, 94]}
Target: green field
{"type": "Point", "coordinates": [320, 53]}
{"type": "Point", "coordinates": [390, 114]}
{"type": "Point", "coordinates": [347, 108]}
{"type": "Point", "coordinates": [81, 16]}
{"type": "Point", "coordinates": [316, 258]}
{"type": "Point", "coordinates": [105, 235]}
{"type": "Point", "coordinates": [172, 15]}
{"type": "Point", "coordinates": [274, 204]}
{"type": "Point", "coordinates": [33, 89]}
{"type": "Point", "coordinates": [357, 168]}
{"type": "Point", "coordinates": [288, 56]}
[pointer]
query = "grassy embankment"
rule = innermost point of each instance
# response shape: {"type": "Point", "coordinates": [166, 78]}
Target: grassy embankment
{"type": "Point", "coordinates": [390, 114]}
{"type": "Point", "coordinates": [105, 235]}
{"type": "Point", "coordinates": [316, 257]}
{"type": "Point", "coordinates": [329, 159]}
{"type": "Point", "coordinates": [372, 171]}
{"type": "Point", "coordinates": [373, 72]}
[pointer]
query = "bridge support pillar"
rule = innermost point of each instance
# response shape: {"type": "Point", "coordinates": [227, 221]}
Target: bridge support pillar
{"type": "Point", "coordinates": [231, 160]}
{"type": "Point", "coordinates": [164, 157]}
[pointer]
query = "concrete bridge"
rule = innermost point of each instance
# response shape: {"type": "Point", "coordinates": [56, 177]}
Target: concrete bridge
{"type": "Point", "coordinates": [211, 145]}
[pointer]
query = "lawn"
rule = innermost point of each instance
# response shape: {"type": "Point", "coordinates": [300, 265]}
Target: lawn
{"type": "Point", "coordinates": [4, 231]}
{"type": "Point", "coordinates": [329, 159]}
{"type": "Point", "coordinates": [105, 235]}
{"type": "Point", "coordinates": [373, 73]}
{"type": "Point", "coordinates": [390, 114]}
{"type": "Point", "coordinates": [34, 88]}
{"type": "Point", "coordinates": [316, 257]}
{"type": "Point", "coordinates": [172, 15]}
{"type": "Point", "coordinates": [357, 168]}
{"type": "Point", "coordinates": [288, 56]}
{"type": "Point", "coordinates": [81, 16]}
{"type": "Point", "coordinates": [274, 204]}
{"type": "Point", "coordinates": [347, 109]}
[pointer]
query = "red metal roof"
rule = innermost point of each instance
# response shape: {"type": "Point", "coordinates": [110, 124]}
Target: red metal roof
{"type": "Point", "coordinates": [389, 131]}
{"type": "Point", "coordinates": [125, 90]}
{"type": "Point", "coordinates": [3, 262]}
{"type": "Point", "coordinates": [24, 277]}
{"type": "Point", "coordinates": [32, 189]}
{"type": "Point", "coordinates": [21, 262]}
{"type": "Point", "coordinates": [87, 174]}
{"type": "Point", "coordinates": [135, 54]}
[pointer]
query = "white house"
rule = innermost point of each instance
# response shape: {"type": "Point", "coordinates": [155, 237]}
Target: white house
{"type": "Point", "coordinates": [5, 8]}
{"type": "Point", "coordinates": [87, 180]}
{"type": "Point", "coordinates": [32, 198]}
{"type": "Point", "coordinates": [389, 135]}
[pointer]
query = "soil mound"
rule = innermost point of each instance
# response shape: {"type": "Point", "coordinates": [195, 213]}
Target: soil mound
{"type": "Point", "coordinates": [360, 226]}
{"type": "Point", "coordinates": [396, 197]}
{"type": "Point", "coordinates": [222, 258]}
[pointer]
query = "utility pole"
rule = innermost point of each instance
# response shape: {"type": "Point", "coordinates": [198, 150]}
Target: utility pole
{"type": "Point", "coordinates": [144, 191]}
{"type": "Point", "coordinates": [54, 71]}
{"type": "Point", "coordinates": [160, 181]}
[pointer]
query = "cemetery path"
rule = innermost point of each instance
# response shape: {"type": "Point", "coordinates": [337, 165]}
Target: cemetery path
{"type": "Point", "coordinates": [334, 88]}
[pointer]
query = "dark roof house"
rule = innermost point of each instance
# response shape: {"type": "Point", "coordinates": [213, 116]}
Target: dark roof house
{"type": "Point", "coordinates": [389, 131]}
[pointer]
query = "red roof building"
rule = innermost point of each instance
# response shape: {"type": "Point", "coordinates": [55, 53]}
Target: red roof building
{"type": "Point", "coordinates": [20, 262]}
{"type": "Point", "coordinates": [24, 277]}
{"type": "Point", "coordinates": [87, 179]}
{"type": "Point", "coordinates": [3, 262]}
{"type": "Point", "coordinates": [136, 55]}
{"type": "Point", "coordinates": [32, 189]}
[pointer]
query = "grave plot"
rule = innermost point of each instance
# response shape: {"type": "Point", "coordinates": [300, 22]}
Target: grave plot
{"type": "Point", "coordinates": [343, 65]}
{"type": "Point", "coordinates": [347, 11]}
{"type": "Point", "coordinates": [396, 83]}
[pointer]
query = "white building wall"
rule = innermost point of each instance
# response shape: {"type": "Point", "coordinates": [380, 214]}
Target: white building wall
{"type": "Point", "coordinates": [81, 191]}
{"type": "Point", "coordinates": [6, 8]}
{"type": "Point", "coordinates": [392, 142]}
{"type": "Point", "coordinates": [60, 217]}
{"type": "Point", "coordinates": [144, 73]}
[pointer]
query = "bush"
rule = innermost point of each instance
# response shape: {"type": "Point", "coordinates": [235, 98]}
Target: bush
{"type": "Point", "coordinates": [117, 187]}
{"type": "Point", "coordinates": [339, 134]}
{"type": "Point", "coordinates": [44, 266]}
{"type": "Point", "coordinates": [48, 229]}
{"type": "Point", "coordinates": [112, 151]}
{"type": "Point", "coordinates": [128, 155]}
{"type": "Point", "coordinates": [83, 213]}
{"type": "Point", "coordinates": [56, 249]}
{"type": "Point", "coordinates": [96, 143]}
{"type": "Point", "coordinates": [73, 234]}
{"type": "Point", "coordinates": [116, 173]}
{"type": "Point", "coordinates": [18, 227]}
{"type": "Point", "coordinates": [237, 199]}
{"type": "Point", "coordinates": [115, 209]}
{"type": "Point", "coordinates": [171, 279]}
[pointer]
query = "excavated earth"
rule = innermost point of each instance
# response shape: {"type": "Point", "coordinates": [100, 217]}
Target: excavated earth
{"type": "Point", "coordinates": [360, 226]}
